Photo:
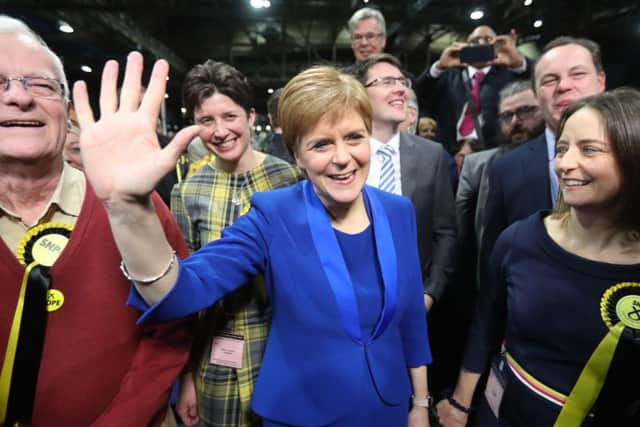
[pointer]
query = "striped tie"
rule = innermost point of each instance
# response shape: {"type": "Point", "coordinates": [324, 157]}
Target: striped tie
{"type": "Point", "coordinates": [387, 171]}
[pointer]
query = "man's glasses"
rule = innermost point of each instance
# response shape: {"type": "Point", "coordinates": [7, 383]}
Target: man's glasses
{"type": "Point", "coordinates": [522, 113]}
{"type": "Point", "coordinates": [389, 82]}
{"type": "Point", "coordinates": [40, 87]}
{"type": "Point", "coordinates": [367, 36]}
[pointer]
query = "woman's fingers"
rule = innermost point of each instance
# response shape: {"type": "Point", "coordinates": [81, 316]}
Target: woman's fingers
{"type": "Point", "coordinates": [131, 87]}
{"type": "Point", "coordinates": [154, 95]}
{"type": "Point", "coordinates": [81, 105]}
{"type": "Point", "coordinates": [108, 88]}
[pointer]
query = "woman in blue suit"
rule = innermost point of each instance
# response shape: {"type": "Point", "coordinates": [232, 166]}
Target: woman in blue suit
{"type": "Point", "coordinates": [348, 344]}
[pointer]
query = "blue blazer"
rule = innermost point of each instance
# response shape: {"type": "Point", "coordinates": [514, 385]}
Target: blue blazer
{"type": "Point", "coordinates": [311, 368]}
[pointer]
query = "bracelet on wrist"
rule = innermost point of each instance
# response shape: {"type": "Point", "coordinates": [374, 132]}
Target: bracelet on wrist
{"type": "Point", "coordinates": [459, 406]}
{"type": "Point", "coordinates": [149, 280]}
{"type": "Point", "coordinates": [423, 403]}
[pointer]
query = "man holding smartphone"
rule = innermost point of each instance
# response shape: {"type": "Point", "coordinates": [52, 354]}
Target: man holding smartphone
{"type": "Point", "coordinates": [473, 70]}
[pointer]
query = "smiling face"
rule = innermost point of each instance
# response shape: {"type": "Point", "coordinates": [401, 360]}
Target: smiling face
{"type": "Point", "coordinates": [564, 75]}
{"type": "Point", "coordinates": [31, 128]}
{"type": "Point", "coordinates": [389, 103]}
{"type": "Point", "coordinates": [226, 130]}
{"type": "Point", "coordinates": [367, 39]}
{"type": "Point", "coordinates": [335, 156]}
{"type": "Point", "coordinates": [586, 167]}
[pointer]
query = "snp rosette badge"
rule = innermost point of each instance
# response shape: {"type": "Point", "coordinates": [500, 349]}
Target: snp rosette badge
{"type": "Point", "coordinates": [621, 304]}
{"type": "Point", "coordinates": [42, 245]}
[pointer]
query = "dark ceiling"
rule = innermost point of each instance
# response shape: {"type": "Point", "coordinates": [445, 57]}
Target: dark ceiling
{"type": "Point", "coordinates": [270, 45]}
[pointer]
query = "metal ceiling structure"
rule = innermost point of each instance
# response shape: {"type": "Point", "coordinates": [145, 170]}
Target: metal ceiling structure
{"type": "Point", "coordinates": [271, 44]}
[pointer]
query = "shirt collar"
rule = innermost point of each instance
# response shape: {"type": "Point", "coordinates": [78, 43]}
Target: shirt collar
{"type": "Point", "coordinates": [394, 143]}
{"type": "Point", "coordinates": [67, 196]}
{"type": "Point", "coordinates": [473, 70]}
{"type": "Point", "coordinates": [551, 143]}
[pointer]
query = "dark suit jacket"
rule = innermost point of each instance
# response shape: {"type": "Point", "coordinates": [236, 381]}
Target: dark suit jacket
{"type": "Point", "coordinates": [426, 181]}
{"type": "Point", "coordinates": [444, 98]}
{"type": "Point", "coordinates": [311, 369]}
{"type": "Point", "coordinates": [518, 187]}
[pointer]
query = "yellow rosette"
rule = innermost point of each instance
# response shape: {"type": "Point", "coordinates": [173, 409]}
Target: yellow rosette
{"type": "Point", "coordinates": [40, 246]}
{"type": "Point", "coordinates": [620, 311]}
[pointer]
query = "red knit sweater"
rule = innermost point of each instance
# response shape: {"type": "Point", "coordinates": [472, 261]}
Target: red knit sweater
{"type": "Point", "coordinates": [98, 367]}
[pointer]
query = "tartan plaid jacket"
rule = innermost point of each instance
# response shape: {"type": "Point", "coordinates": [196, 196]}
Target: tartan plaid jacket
{"type": "Point", "coordinates": [203, 205]}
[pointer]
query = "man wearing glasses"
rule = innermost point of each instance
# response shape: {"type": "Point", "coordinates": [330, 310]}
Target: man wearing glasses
{"type": "Point", "coordinates": [71, 352]}
{"type": "Point", "coordinates": [368, 33]}
{"type": "Point", "coordinates": [448, 85]}
{"type": "Point", "coordinates": [520, 121]}
{"type": "Point", "coordinates": [411, 166]}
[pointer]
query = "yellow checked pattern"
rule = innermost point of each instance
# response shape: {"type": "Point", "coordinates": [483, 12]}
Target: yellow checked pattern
{"type": "Point", "coordinates": [203, 205]}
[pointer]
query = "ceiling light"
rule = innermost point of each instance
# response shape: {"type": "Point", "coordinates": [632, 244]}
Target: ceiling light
{"type": "Point", "coordinates": [476, 14]}
{"type": "Point", "coordinates": [259, 128]}
{"type": "Point", "coordinates": [86, 68]}
{"type": "Point", "coordinates": [528, 2]}
{"type": "Point", "coordinates": [183, 111]}
{"type": "Point", "coordinates": [166, 96]}
{"type": "Point", "coordinates": [260, 4]}
{"type": "Point", "coordinates": [268, 127]}
{"type": "Point", "coordinates": [537, 23]}
{"type": "Point", "coordinates": [270, 90]}
{"type": "Point", "coordinates": [64, 27]}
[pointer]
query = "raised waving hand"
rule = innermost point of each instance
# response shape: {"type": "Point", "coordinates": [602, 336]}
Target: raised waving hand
{"type": "Point", "coordinates": [122, 158]}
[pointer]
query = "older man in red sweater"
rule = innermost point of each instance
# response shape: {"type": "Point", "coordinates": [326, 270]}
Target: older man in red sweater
{"type": "Point", "coordinates": [71, 352]}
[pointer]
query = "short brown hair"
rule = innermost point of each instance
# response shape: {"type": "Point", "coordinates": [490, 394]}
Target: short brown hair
{"type": "Point", "coordinates": [619, 110]}
{"type": "Point", "coordinates": [362, 69]}
{"type": "Point", "coordinates": [211, 77]}
{"type": "Point", "coordinates": [315, 92]}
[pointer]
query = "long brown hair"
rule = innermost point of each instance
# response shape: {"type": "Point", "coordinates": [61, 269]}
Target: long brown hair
{"type": "Point", "coordinates": [620, 112]}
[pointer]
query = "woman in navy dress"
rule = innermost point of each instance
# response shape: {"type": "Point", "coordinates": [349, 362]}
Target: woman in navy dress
{"type": "Point", "coordinates": [564, 291]}
{"type": "Point", "coordinates": [348, 342]}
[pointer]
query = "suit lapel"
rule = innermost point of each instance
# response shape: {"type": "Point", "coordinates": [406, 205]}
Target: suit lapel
{"type": "Point", "coordinates": [408, 165]}
{"type": "Point", "coordinates": [536, 169]}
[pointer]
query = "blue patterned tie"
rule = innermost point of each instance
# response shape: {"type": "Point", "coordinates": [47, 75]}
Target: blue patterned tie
{"type": "Point", "coordinates": [387, 171]}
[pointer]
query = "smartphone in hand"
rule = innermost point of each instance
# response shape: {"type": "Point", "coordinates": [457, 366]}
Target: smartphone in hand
{"type": "Point", "coordinates": [477, 54]}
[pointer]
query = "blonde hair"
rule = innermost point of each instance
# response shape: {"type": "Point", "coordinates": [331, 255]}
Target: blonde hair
{"type": "Point", "coordinates": [312, 94]}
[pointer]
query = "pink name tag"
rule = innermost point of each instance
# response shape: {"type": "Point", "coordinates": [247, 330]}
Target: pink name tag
{"type": "Point", "coordinates": [226, 350]}
{"type": "Point", "coordinates": [494, 392]}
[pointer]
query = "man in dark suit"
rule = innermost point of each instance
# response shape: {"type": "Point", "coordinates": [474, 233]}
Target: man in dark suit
{"type": "Point", "coordinates": [443, 88]}
{"type": "Point", "coordinates": [520, 120]}
{"type": "Point", "coordinates": [523, 181]}
{"type": "Point", "coordinates": [420, 170]}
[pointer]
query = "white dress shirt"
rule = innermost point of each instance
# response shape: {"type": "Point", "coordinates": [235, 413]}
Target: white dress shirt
{"type": "Point", "coordinates": [376, 162]}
